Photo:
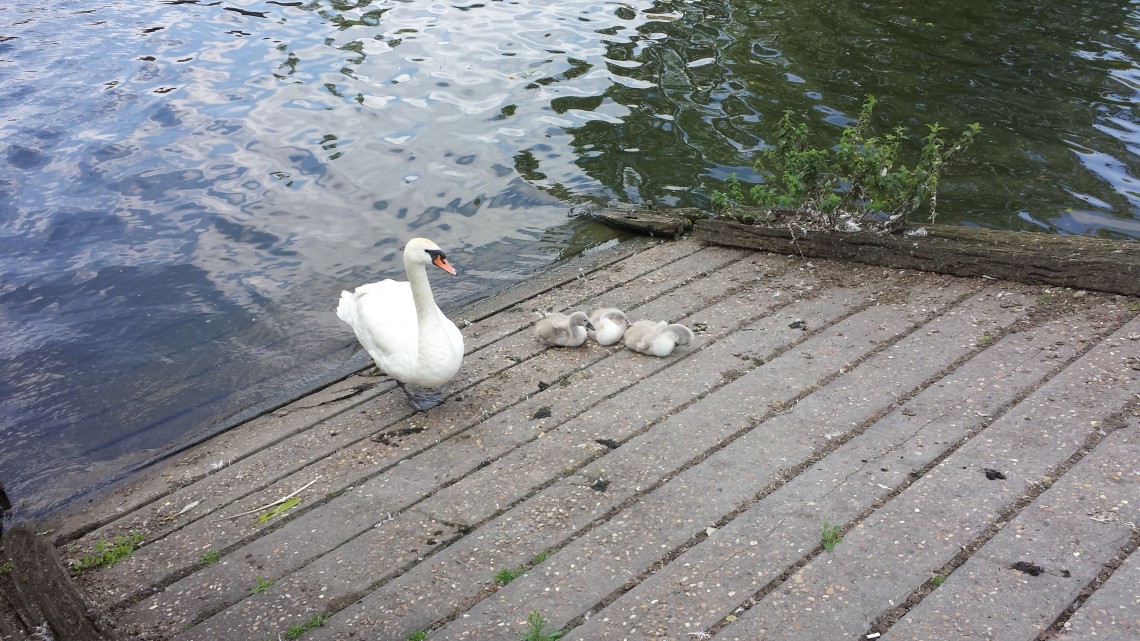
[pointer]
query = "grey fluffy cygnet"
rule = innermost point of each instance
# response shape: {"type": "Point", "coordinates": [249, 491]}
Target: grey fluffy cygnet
{"type": "Point", "coordinates": [656, 338]}
{"type": "Point", "coordinates": [609, 325]}
{"type": "Point", "coordinates": [562, 330]}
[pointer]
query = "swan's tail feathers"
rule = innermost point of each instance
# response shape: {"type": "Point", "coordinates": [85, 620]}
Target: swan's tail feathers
{"type": "Point", "coordinates": [346, 309]}
{"type": "Point", "coordinates": [684, 334]}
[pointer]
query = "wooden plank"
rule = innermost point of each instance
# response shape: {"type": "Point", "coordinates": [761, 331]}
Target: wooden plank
{"type": "Point", "coordinates": [1113, 611]}
{"type": "Point", "coordinates": [884, 558]}
{"type": "Point", "coordinates": [707, 583]}
{"type": "Point", "coordinates": [336, 451]}
{"type": "Point", "coordinates": [560, 451]}
{"type": "Point", "coordinates": [566, 510]}
{"type": "Point", "coordinates": [1015, 586]}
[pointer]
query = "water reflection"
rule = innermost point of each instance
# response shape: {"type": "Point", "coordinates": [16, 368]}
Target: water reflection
{"type": "Point", "coordinates": [181, 211]}
{"type": "Point", "coordinates": [187, 186]}
{"type": "Point", "coordinates": [717, 76]}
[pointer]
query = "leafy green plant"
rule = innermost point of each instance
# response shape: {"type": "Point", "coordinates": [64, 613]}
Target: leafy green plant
{"type": "Point", "coordinates": [418, 635]}
{"type": "Point", "coordinates": [858, 181]}
{"type": "Point", "coordinates": [1134, 307]}
{"type": "Point", "coordinates": [724, 202]}
{"type": "Point", "coordinates": [987, 339]}
{"type": "Point", "coordinates": [536, 629]}
{"type": "Point", "coordinates": [937, 579]}
{"type": "Point", "coordinates": [296, 631]}
{"type": "Point", "coordinates": [262, 586]}
{"type": "Point", "coordinates": [6, 568]}
{"type": "Point", "coordinates": [210, 556]}
{"type": "Point", "coordinates": [830, 537]}
{"type": "Point", "coordinates": [1045, 299]}
{"type": "Point", "coordinates": [109, 553]}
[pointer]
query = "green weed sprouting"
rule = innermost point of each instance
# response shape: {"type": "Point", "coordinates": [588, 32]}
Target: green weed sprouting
{"type": "Point", "coordinates": [723, 201]}
{"type": "Point", "coordinates": [536, 629]}
{"type": "Point", "coordinates": [296, 631]}
{"type": "Point", "coordinates": [858, 182]}
{"type": "Point", "coordinates": [109, 553]}
{"type": "Point", "coordinates": [506, 575]}
{"type": "Point", "coordinates": [262, 586]}
{"type": "Point", "coordinates": [830, 537]}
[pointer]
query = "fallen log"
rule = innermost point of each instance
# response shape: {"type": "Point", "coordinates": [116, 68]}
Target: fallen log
{"type": "Point", "coordinates": [1080, 262]}
{"type": "Point", "coordinates": [38, 599]}
{"type": "Point", "coordinates": [663, 223]}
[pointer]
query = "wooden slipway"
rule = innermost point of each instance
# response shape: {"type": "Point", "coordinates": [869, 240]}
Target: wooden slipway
{"type": "Point", "coordinates": [970, 446]}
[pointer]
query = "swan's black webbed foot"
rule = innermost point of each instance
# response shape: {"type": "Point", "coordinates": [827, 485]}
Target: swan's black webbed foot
{"type": "Point", "coordinates": [422, 399]}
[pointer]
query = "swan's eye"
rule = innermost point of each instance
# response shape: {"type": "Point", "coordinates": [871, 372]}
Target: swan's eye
{"type": "Point", "coordinates": [435, 254]}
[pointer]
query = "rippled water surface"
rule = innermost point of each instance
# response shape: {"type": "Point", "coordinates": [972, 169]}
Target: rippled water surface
{"type": "Point", "coordinates": [185, 187]}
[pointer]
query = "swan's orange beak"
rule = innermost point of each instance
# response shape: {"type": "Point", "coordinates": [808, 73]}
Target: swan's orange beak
{"type": "Point", "coordinates": [441, 262]}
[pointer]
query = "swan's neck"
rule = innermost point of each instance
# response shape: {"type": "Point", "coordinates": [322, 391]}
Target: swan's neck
{"type": "Point", "coordinates": [427, 313]}
{"type": "Point", "coordinates": [421, 293]}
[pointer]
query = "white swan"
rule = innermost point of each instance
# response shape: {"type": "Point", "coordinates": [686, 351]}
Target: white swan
{"type": "Point", "coordinates": [609, 325]}
{"type": "Point", "coordinates": [400, 326]}
{"type": "Point", "coordinates": [561, 330]}
{"type": "Point", "coordinates": [656, 338]}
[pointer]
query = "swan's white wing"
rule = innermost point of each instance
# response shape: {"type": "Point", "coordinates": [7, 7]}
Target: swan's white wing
{"type": "Point", "coordinates": [383, 317]}
{"type": "Point", "coordinates": [439, 360]}
{"type": "Point", "coordinates": [454, 336]}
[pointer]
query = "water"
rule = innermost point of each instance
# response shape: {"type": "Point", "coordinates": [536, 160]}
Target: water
{"type": "Point", "coordinates": [185, 188]}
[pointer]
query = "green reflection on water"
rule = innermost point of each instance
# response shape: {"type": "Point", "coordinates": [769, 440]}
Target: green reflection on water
{"type": "Point", "coordinates": [659, 102]}
{"type": "Point", "coordinates": [1052, 83]}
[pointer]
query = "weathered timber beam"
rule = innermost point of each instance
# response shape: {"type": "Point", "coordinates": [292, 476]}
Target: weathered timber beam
{"type": "Point", "coordinates": [660, 223]}
{"type": "Point", "coordinates": [38, 598]}
{"type": "Point", "coordinates": [1080, 262]}
{"type": "Point", "coordinates": [1068, 261]}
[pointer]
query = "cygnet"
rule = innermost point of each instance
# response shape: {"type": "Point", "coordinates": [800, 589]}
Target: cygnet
{"type": "Point", "coordinates": [656, 338]}
{"type": "Point", "coordinates": [562, 330]}
{"type": "Point", "coordinates": [609, 325]}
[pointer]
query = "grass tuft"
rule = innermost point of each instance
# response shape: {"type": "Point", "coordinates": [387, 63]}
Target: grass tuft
{"type": "Point", "coordinates": [536, 629]}
{"type": "Point", "coordinates": [296, 631]}
{"type": "Point", "coordinates": [262, 586]}
{"type": "Point", "coordinates": [506, 575]}
{"type": "Point", "coordinates": [109, 553]}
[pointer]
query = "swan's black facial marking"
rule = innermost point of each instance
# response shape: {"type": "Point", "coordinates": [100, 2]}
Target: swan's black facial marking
{"type": "Point", "coordinates": [440, 260]}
